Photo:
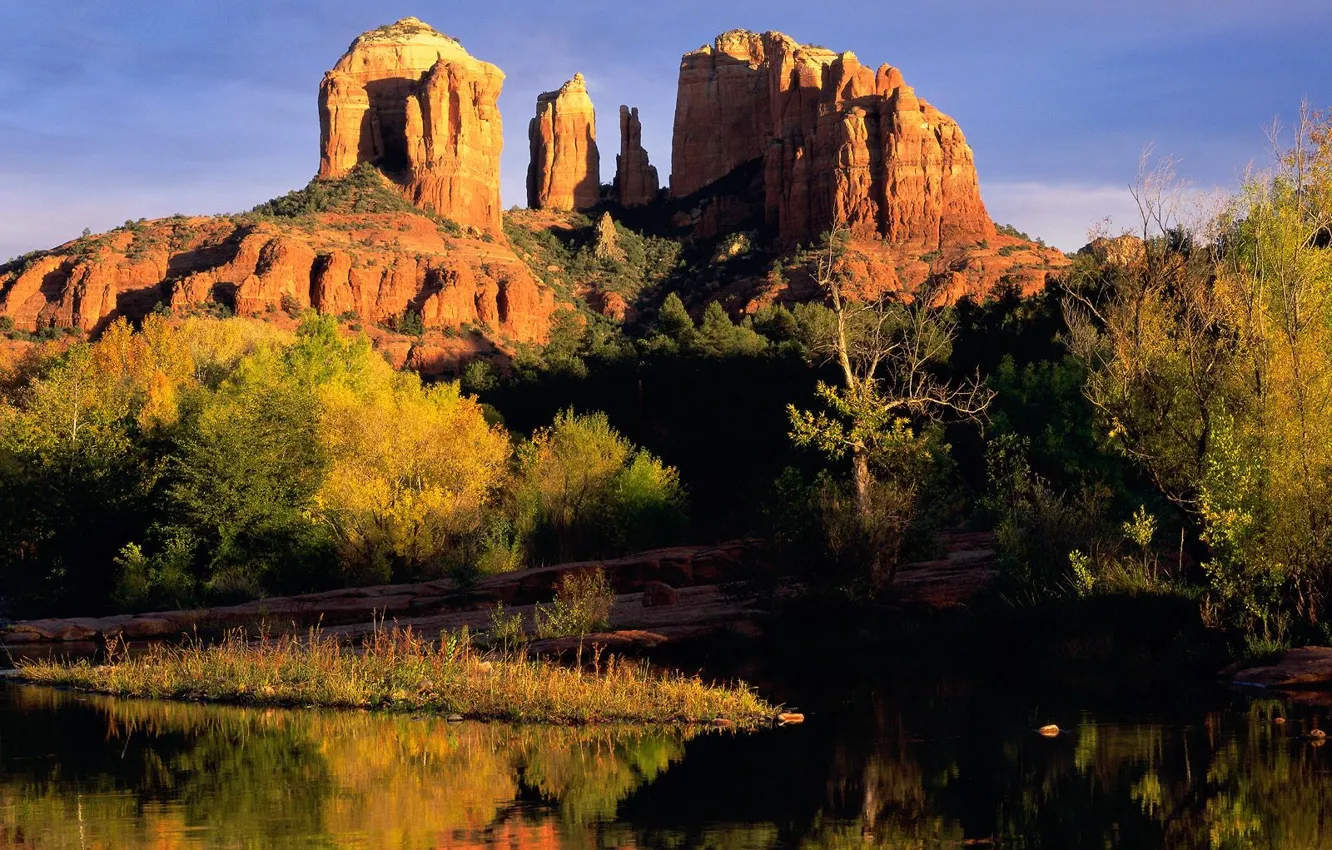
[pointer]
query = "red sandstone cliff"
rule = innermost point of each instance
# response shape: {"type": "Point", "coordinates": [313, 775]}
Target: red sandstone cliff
{"type": "Point", "coordinates": [417, 105]}
{"type": "Point", "coordinates": [636, 182]}
{"type": "Point", "coordinates": [377, 266]}
{"type": "Point", "coordinates": [840, 143]}
{"type": "Point", "coordinates": [405, 98]}
{"type": "Point", "coordinates": [565, 168]}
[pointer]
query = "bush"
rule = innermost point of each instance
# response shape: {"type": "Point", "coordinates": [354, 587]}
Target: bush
{"type": "Point", "coordinates": [582, 605]}
{"type": "Point", "coordinates": [586, 491]}
{"type": "Point", "coordinates": [506, 632]}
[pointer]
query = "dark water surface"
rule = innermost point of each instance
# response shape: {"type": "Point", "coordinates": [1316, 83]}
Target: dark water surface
{"type": "Point", "coordinates": [947, 766]}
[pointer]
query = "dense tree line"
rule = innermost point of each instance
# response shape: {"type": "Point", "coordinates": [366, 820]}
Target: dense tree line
{"type": "Point", "coordinates": [214, 459]}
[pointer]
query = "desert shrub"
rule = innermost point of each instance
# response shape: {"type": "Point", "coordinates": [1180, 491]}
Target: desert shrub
{"type": "Point", "coordinates": [362, 190]}
{"type": "Point", "coordinates": [290, 305]}
{"type": "Point", "coordinates": [162, 580]}
{"type": "Point", "coordinates": [582, 605]}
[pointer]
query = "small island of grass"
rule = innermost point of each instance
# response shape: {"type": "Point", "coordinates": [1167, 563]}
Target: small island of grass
{"type": "Point", "coordinates": [398, 670]}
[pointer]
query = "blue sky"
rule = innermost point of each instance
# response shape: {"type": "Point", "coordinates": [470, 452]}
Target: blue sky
{"type": "Point", "coordinates": [113, 110]}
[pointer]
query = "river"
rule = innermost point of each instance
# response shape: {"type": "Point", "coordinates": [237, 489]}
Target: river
{"type": "Point", "coordinates": [941, 763]}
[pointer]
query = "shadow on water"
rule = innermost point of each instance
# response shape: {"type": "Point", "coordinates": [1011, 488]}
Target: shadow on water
{"type": "Point", "coordinates": [944, 762]}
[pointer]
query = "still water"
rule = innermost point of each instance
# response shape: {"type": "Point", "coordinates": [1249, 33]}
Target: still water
{"type": "Point", "coordinates": [950, 767]}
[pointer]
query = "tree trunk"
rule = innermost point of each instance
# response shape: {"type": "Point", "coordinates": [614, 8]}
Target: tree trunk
{"type": "Point", "coordinates": [861, 474]}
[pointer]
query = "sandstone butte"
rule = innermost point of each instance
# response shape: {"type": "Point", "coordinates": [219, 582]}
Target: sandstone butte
{"type": "Point", "coordinates": [636, 182]}
{"type": "Point", "coordinates": [404, 96]}
{"type": "Point", "coordinates": [832, 142]}
{"type": "Point", "coordinates": [565, 169]}
{"type": "Point", "coordinates": [419, 107]}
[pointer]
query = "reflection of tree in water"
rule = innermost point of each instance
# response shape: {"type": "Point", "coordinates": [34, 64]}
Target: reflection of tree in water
{"type": "Point", "coordinates": [219, 775]}
{"type": "Point", "coordinates": [945, 767]}
{"type": "Point", "coordinates": [950, 767]}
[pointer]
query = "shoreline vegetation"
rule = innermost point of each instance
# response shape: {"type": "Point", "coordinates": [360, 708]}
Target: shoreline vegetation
{"type": "Point", "coordinates": [400, 670]}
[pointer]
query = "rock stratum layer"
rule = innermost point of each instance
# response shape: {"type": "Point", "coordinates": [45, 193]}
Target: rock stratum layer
{"type": "Point", "coordinates": [376, 266]}
{"type": "Point", "coordinates": [565, 169]}
{"type": "Point", "coordinates": [839, 143]}
{"type": "Point", "coordinates": [414, 103]}
{"type": "Point", "coordinates": [636, 182]}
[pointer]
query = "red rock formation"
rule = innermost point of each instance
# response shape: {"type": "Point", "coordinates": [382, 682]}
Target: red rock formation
{"type": "Point", "coordinates": [376, 266]}
{"type": "Point", "coordinates": [565, 169]}
{"type": "Point", "coordinates": [636, 180]}
{"type": "Point", "coordinates": [416, 104]}
{"type": "Point", "coordinates": [403, 97]}
{"type": "Point", "coordinates": [840, 143]}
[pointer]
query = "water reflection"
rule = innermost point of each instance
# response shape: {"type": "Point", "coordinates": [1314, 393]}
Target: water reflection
{"type": "Point", "coordinates": [949, 768]}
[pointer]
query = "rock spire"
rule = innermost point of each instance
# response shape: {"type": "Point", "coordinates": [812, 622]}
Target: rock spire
{"type": "Point", "coordinates": [838, 143]}
{"type": "Point", "coordinates": [636, 180]}
{"type": "Point", "coordinates": [565, 169]}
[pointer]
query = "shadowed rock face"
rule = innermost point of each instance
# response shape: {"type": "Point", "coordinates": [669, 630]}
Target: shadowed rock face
{"type": "Point", "coordinates": [839, 142]}
{"type": "Point", "coordinates": [565, 169]}
{"type": "Point", "coordinates": [636, 182]}
{"type": "Point", "coordinates": [413, 102]}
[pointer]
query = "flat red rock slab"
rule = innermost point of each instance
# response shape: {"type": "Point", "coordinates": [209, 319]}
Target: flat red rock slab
{"type": "Point", "coordinates": [1306, 668]}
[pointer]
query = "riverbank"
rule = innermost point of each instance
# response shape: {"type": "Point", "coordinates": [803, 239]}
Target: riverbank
{"type": "Point", "coordinates": [400, 670]}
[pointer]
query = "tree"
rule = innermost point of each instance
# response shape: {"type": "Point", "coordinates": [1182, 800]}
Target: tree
{"type": "Point", "coordinates": [585, 491]}
{"type": "Point", "coordinates": [412, 474]}
{"type": "Point", "coordinates": [888, 350]}
{"type": "Point", "coordinates": [1210, 364]}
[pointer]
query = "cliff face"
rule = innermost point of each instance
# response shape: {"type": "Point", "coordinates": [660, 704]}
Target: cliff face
{"type": "Point", "coordinates": [636, 182]}
{"type": "Point", "coordinates": [565, 169]}
{"type": "Point", "coordinates": [375, 266]}
{"type": "Point", "coordinates": [417, 105]}
{"type": "Point", "coordinates": [838, 142]}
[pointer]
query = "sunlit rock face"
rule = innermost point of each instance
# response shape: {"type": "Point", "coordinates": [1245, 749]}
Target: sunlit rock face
{"type": "Point", "coordinates": [565, 169]}
{"type": "Point", "coordinates": [413, 102]}
{"type": "Point", "coordinates": [839, 143]}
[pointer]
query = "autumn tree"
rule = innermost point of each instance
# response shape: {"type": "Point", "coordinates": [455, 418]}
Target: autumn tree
{"type": "Point", "coordinates": [413, 473]}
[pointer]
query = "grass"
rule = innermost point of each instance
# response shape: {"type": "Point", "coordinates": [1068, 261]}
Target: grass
{"type": "Point", "coordinates": [399, 670]}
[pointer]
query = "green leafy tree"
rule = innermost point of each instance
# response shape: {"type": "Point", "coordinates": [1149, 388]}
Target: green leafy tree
{"type": "Point", "coordinates": [887, 351]}
{"type": "Point", "coordinates": [584, 490]}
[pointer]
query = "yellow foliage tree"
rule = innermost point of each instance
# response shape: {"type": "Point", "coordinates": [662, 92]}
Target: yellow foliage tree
{"type": "Point", "coordinates": [412, 471]}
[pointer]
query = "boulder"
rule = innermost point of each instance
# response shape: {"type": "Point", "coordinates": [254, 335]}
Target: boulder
{"type": "Point", "coordinates": [656, 593]}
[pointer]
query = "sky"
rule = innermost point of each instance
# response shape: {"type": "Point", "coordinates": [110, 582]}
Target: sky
{"type": "Point", "coordinates": [117, 110]}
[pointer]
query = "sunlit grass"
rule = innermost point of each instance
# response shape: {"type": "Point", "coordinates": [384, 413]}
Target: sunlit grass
{"type": "Point", "coordinates": [399, 670]}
